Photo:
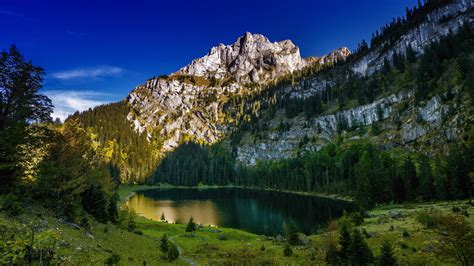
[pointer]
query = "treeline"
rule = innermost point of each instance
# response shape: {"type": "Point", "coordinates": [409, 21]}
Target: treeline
{"type": "Point", "coordinates": [131, 156]}
{"type": "Point", "coordinates": [371, 175]}
{"type": "Point", "coordinates": [192, 164]}
{"type": "Point", "coordinates": [389, 34]}
{"type": "Point", "coordinates": [358, 169]}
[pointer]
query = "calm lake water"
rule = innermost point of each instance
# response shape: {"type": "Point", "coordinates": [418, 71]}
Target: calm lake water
{"type": "Point", "coordinates": [256, 211]}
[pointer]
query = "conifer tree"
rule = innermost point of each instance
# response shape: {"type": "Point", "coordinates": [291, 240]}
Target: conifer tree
{"type": "Point", "coordinates": [359, 251]}
{"type": "Point", "coordinates": [387, 257]}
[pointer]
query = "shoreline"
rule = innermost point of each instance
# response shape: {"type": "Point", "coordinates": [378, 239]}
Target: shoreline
{"type": "Point", "coordinates": [131, 189]}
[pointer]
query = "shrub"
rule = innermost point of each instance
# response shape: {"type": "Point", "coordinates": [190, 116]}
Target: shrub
{"type": "Point", "coordinates": [403, 245]}
{"type": "Point", "coordinates": [357, 218]}
{"type": "Point", "coordinates": [287, 251]}
{"type": "Point", "coordinates": [262, 248]}
{"type": "Point", "coordinates": [173, 252]}
{"type": "Point", "coordinates": [458, 236]}
{"type": "Point", "coordinates": [405, 234]}
{"type": "Point", "coordinates": [456, 209]}
{"type": "Point", "coordinates": [429, 219]}
{"type": "Point", "coordinates": [164, 243]}
{"type": "Point", "coordinates": [11, 205]}
{"type": "Point", "coordinates": [191, 226]}
{"type": "Point", "coordinates": [113, 259]}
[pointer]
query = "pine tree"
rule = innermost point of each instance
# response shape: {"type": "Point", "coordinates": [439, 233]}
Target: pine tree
{"type": "Point", "coordinates": [292, 234]}
{"type": "Point", "coordinates": [360, 253]}
{"type": "Point", "coordinates": [164, 243]}
{"type": "Point", "coordinates": [162, 218]}
{"type": "Point", "coordinates": [287, 251]}
{"type": "Point", "coordinates": [344, 242]}
{"type": "Point", "coordinates": [333, 255]}
{"type": "Point", "coordinates": [387, 258]}
{"type": "Point", "coordinates": [191, 226]}
{"type": "Point", "coordinates": [172, 253]}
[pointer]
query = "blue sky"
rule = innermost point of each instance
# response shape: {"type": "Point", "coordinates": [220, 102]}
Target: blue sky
{"type": "Point", "coordinates": [98, 51]}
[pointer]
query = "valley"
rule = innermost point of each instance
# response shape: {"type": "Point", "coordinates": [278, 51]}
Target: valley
{"type": "Point", "coordinates": [252, 155]}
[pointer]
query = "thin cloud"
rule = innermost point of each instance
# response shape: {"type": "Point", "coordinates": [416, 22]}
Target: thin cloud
{"type": "Point", "coordinates": [93, 72]}
{"type": "Point", "coordinates": [17, 15]}
{"type": "Point", "coordinates": [67, 102]}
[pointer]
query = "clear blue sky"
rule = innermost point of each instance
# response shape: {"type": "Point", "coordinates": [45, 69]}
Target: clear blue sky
{"type": "Point", "coordinates": [98, 51]}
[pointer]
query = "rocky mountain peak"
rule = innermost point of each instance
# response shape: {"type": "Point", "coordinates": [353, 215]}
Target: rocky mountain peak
{"type": "Point", "coordinates": [252, 58]}
{"type": "Point", "coordinates": [334, 56]}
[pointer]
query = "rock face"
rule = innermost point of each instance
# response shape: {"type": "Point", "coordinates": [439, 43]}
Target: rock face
{"type": "Point", "coordinates": [189, 103]}
{"type": "Point", "coordinates": [431, 29]}
{"type": "Point", "coordinates": [252, 58]}
{"type": "Point", "coordinates": [322, 129]}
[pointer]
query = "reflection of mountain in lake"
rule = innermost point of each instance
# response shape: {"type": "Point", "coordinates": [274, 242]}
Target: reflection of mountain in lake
{"type": "Point", "coordinates": [261, 212]}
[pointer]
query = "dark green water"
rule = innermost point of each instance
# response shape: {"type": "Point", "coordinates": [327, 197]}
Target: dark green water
{"type": "Point", "coordinates": [256, 211]}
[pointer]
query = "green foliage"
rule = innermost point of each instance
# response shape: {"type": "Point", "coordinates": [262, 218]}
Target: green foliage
{"type": "Point", "coordinates": [292, 234]}
{"type": "Point", "coordinates": [359, 251]}
{"type": "Point", "coordinates": [344, 242]}
{"type": "Point", "coordinates": [172, 253]}
{"type": "Point", "coordinates": [430, 219]}
{"type": "Point", "coordinates": [20, 105]}
{"type": "Point", "coordinates": [387, 257]}
{"type": "Point", "coordinates": [287, 251]}
{"type": "Point", "coordinates": [130, 156]}
{"type": "Point", "coordinates": [114, 259]}
{"type": "Point", "coordinates": [457, 235]}
{"type": "Point", "coordinates": [191, 225]}
{"type": "Point", "coordinates": [192, 164]}
{"type": "Point", "coordinates": [333, 256]}
{"type": "Point", "coordinates": [11, 205]}
{"type": "Point", "coordinates": [164, 243]}
{"type": "Point", "coordinates": [72, 178]}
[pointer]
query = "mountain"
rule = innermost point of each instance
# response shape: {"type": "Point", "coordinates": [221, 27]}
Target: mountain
{"type": "Point", "coordinates": [261, 101]}
{"type": "Point", "coordinates": [190, 102]}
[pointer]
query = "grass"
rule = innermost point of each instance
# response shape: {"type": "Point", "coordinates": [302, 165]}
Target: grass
{"type": "Point", "coordinates": [212, 245]}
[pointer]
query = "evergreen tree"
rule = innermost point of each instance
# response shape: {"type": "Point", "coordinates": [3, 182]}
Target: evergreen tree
{"type": "Point", "coordinates": [387, 257]}
{"type": "Point", "coordinates": [162, 218]}
{"type": "Point", "coordinates": [191, 226]}
{"type": "Point", "coordinates": [287, 251]}
{"type": "Point", "coordinates": [333, 256]}
{"type": "Point", "coordinates": [344, 242]}
{"type": "Point", "coordinates": [172, 253]}
{"type": "Point", "coordinates": [360, 253]}
{"type": "Point", "coordinates": [164, 243]}
{"type": "Point", "coordinates": [292, 234]}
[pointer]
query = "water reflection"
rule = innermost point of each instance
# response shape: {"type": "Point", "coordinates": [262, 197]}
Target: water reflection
{"type": "Point", "coordinates": [260, 212]}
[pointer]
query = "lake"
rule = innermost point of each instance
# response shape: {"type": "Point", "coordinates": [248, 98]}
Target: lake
{"type": "Point", "coordinates": [255, 211]}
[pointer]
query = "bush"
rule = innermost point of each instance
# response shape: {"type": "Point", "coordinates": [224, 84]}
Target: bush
{"type": "Point", "coordinates": [403, 245]}
{"type": "Point", "coordinates": [456, 209]}
{"type": "Point", "coordinates": [287, 251]}
{"type": "Point", "coordinates": [11, 205]}
{"type": "Point", "coordinates": [173, 252]}
{"type": "Point", "coordinates": [357, 218]}
{"type": "Point", "coordinates": [405, 234]}
{"type": "Point", "coordinates": [262, 248]}
{"type": "Point", "coordinates": [113, 259]}
{"type": "Point", "coordinates": [429, 219]}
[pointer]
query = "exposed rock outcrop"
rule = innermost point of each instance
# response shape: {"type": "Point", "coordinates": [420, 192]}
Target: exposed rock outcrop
{"type": "Point", "coordinates": [431, 29]}
{"type": "Point", "coordinates": [189, 102]}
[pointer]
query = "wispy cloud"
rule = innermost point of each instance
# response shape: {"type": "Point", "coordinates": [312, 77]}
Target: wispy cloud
{"type": "Point", "coordinates": [69, 101]}
{"type": "Point", "coordinates": [10, 13]}
{"type": "Point", "coordinates": [76, 34]}
{"type": "Point", "coordinates": [93, 72]}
